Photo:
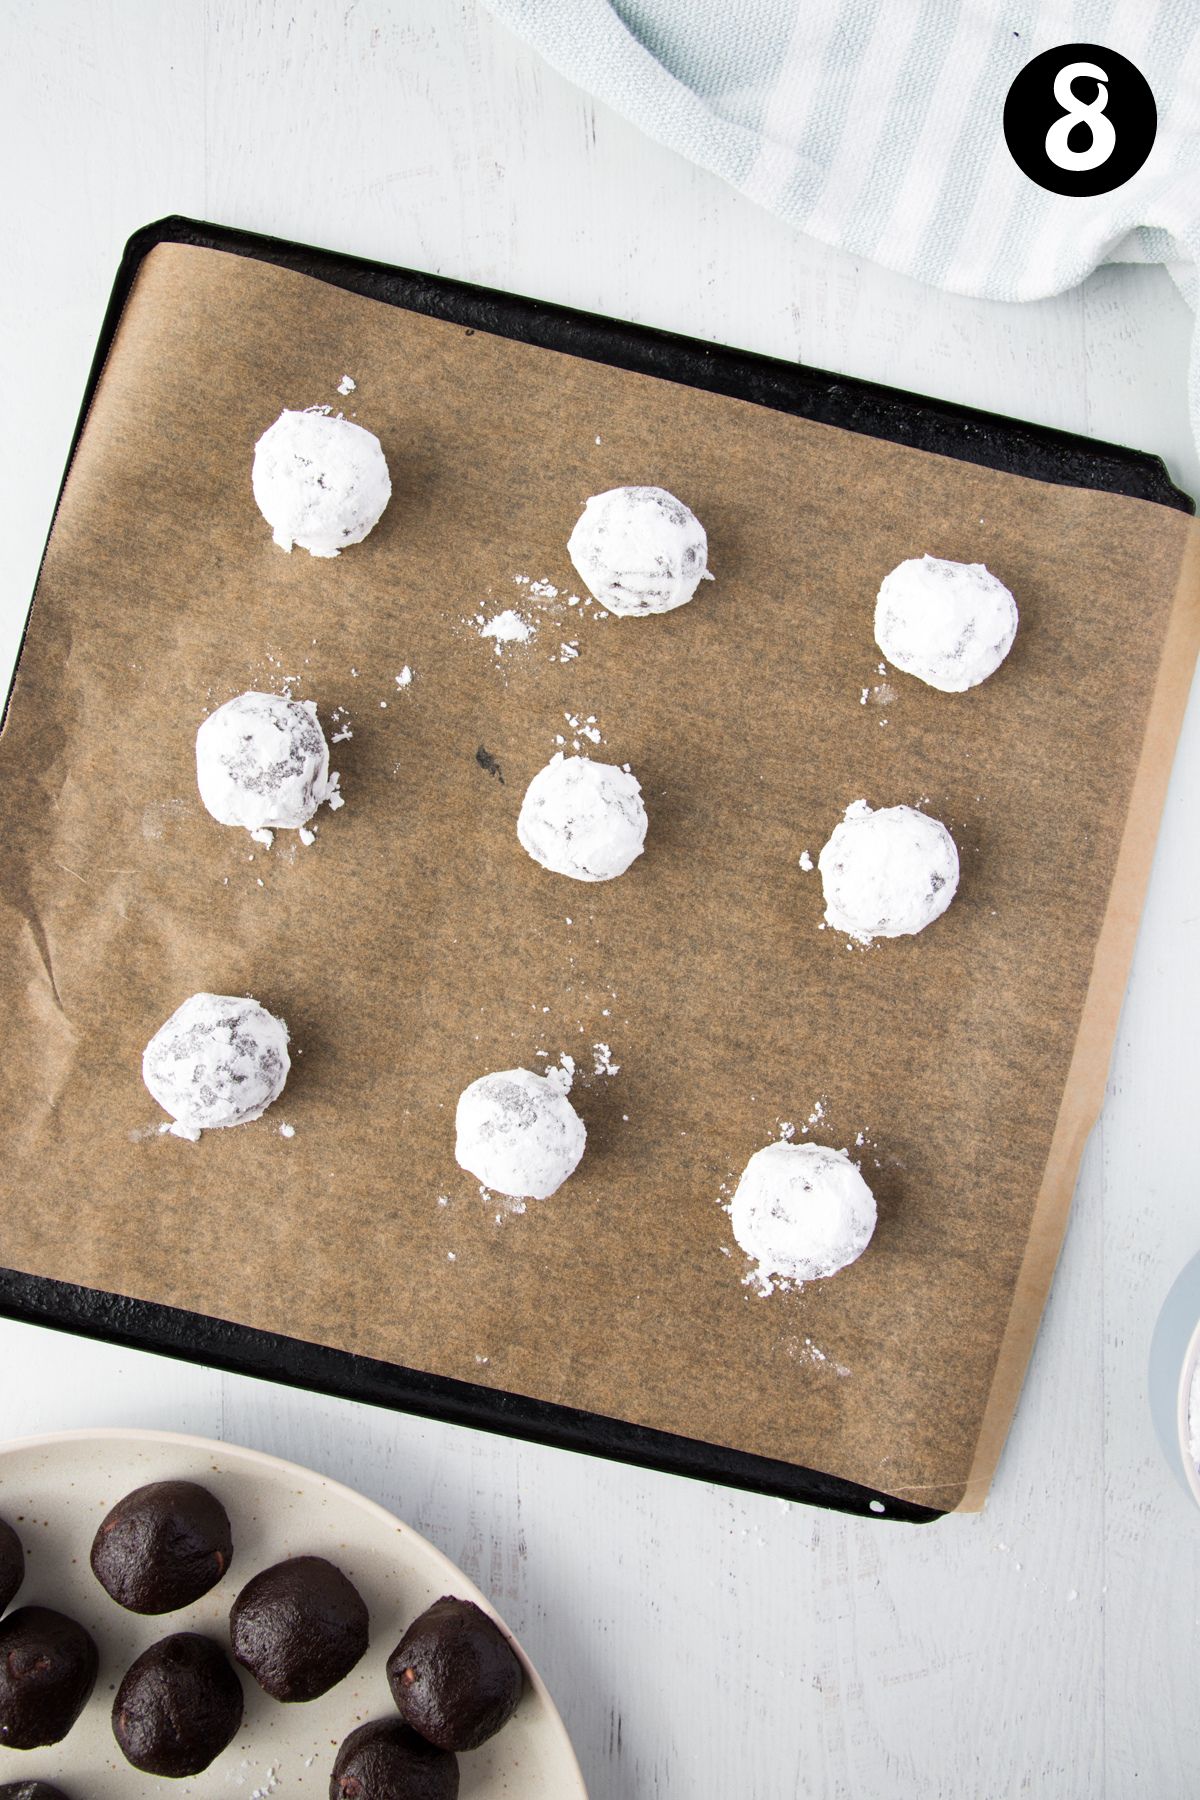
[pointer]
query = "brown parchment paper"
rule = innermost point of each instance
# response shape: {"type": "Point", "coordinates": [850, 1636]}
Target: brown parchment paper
{"type": "Point", "coordinates": [415, 946]}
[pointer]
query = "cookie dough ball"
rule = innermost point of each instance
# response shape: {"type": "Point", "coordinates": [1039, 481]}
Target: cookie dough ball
{"type": "Point", "coordinates": [518, 1133]}
{"type": "Point", "coordinates": [582, 818]}
{"type": "Point", "coordinates": [802, 1212]}
{"type": "Point", "coordinates": [162, 1547]}
{"type": "Point", "coordinates": [262, 762]}
{"type": "Point", "coordinates": [219, 1060]}
{"type": "Point", "coordinates": [47, 1671]}
{"type": "Point", "coordinates": [178, 1707]}
{"type": "Point", "coordinates": [950, 624]}
{"type": "Point", "coordinates": [320, 482]}
{"type": "Point", "coordinates": [639, 550]}
{"type": "Point", "coordinates": [386, 1760]}
{"type": "Point", "coordinates": [299, 1628]}
{"type": "Point", "coordinates": [888, 873]}
{"type": "Point", "coordinates": [454, 1675]}
{"type": "Point", "coordinates": [12, 1565]}
{"type": "Point", "coordinates": [30, 1790]}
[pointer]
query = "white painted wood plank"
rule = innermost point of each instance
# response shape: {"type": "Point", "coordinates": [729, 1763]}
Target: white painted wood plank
{"type": "Point", "coordinates": [700, 1643]}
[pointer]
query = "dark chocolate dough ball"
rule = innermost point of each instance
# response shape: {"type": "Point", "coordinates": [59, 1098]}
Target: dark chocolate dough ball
{"type": "Point", "coordinates": [30, 1790]}
{"type": "Point", "coordinates": [386, 1760]}
{"type": "Point", "coordinates": [162, 1546]}
{"type": "Point", "coordinates": [12, 1565]}
{"type": "Point", "coordinates": [299, 1627]}
{"type": "Point", "coordinates": [47, 1670]}
{"type": "Point", "coordinates": [178, 1707]}
{"type": "Point", "coordinates": [455, 1676]}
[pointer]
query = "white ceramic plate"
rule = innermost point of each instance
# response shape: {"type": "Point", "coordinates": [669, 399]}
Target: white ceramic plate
{"type": "Point", "coordinates": [55, 1491]}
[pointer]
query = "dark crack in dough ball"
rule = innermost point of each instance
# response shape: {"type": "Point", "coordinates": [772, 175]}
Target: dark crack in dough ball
{"type": "Point", "coordinates": [178, 1707]}
{"type": "Point", "coordinates": [454, 1675]}
{"type": "Point", "coordinates": [47, 1670]}
{"type": "Point", "coordinates": [30, 1790]}
{"type": "Point", "coordinates": [12, 1565]}
{"type": "Point", "coordinates": [162, 1547]}
{"type": "Point", "coordinates": [386, 1760]}
{"type": "Point", "coordinates": [299, 1627]}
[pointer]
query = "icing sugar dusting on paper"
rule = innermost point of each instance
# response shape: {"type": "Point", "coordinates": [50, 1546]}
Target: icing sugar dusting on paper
{"type": "Point", "coordinates": [507, 627]}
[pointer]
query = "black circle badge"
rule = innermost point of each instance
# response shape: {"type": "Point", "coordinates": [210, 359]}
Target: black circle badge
{"type": "Point", "coordinates": [1080, 119]}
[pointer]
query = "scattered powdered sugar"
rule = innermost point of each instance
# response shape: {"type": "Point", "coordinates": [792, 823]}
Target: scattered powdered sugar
{"type": "Point", "coordinates": [809, 1352]}
{"type": "Point", "coordinates": [584, 728]}
{"type": "Point", "coordinates": [806, 862]}
{"type": "Point", "coordinates": [603, 1062]}
{"type": "Point", "coordinates": [405, 678]}
{"type": "Point", "coordinates": [347, 385]}
{"type": "Point", "coordinates": [245, 1771]}
{"type": "Point", "coordinates": [287, 1131]}
{"type": "Point", "coordinates": [539, 587]}
{"type": "Point", "coordinates": [507, 627]}
{"type": "Point", "coordinates": [140, 1133]}
{"type": "Point", "coordinates": [160, 813]}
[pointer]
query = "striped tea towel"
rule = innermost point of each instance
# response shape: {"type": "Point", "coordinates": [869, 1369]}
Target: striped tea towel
{"type": "Point", "coordinates": [876, 125]}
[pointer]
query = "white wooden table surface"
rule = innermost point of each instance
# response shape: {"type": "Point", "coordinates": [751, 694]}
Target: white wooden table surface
{"type": "Point", "coordinates": [700, 1643]}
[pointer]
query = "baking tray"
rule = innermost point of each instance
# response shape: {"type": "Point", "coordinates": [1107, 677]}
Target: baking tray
{"type": "Point", "coordinates": [874, 411]}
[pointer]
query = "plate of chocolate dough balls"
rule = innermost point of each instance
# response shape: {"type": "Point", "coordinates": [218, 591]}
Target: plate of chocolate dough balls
{"type": "Point", "coordinates": [174, 1610]}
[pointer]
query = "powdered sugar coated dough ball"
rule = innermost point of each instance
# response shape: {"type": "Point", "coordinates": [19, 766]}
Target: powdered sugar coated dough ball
{"type": "Point", "coordinates": [219, 1060]}
{"type": "Point", "coordinates": [639, 550]}
{"type": "Point", "coordinates": [802, 1212]}
{"type": "Point", "coordinates": [583, 818]}
{"type": "Point", "coordinates": [518, 1133]}
{"type": "Point", "coordinates": [888, 873]}
{"type": "Point", "coordinates": [262, 762]}
{"type": "Point", "coordinates": [320, 482]}
{"type": "Point", "coordinates": [951, 624]}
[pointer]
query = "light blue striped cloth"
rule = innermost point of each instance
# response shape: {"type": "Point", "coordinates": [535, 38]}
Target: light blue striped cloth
{"type": "Point", "coordinates": [875, 125]}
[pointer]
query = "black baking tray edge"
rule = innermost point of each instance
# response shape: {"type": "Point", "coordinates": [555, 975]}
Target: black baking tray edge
{"type": "Point", "coordinates": [935, 425]}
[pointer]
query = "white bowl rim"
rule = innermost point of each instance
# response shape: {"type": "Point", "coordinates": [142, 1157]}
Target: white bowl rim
{"type": "Point", "coordinates": [1191, 1361]}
